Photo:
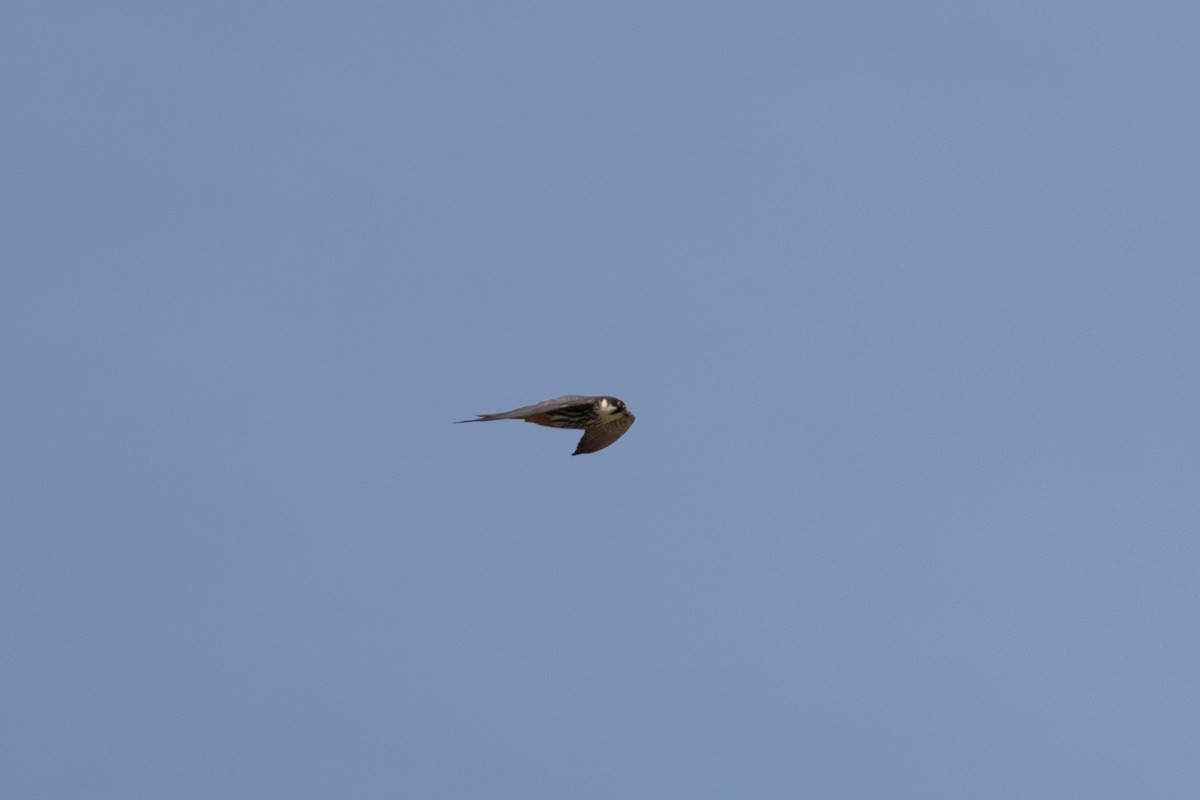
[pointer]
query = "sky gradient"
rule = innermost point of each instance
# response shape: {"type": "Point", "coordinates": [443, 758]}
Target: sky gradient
{"type": "Point", "coordinates": [906, 299]}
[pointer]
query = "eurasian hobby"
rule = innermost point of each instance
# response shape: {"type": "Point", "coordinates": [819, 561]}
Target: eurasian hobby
{"type": "Point", "coordinates": [602, 419]}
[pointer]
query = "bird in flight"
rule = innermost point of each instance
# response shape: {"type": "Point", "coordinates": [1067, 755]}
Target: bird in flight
{"type": "Point", "coordinates": [602, 419]}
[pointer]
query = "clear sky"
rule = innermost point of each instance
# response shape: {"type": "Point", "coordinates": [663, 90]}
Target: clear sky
{"type": "Point", "coordinates": [905, 297]}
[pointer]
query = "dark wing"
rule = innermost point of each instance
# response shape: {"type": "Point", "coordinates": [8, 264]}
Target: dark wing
{"type": "Point", "coordinates": [601, 436]}
{"type": "Point", "coordinates": [557, 404]}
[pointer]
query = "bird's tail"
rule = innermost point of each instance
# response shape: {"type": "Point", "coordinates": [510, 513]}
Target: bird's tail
{"type": "Point", "coordinates": [484, 418]}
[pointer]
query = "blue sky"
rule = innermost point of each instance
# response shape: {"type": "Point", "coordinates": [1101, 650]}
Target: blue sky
{"type": "Point", "coordinates": [905, 299]}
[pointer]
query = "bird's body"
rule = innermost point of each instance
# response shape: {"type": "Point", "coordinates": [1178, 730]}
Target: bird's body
{"type": "Point", "coordinates": [602, 419]}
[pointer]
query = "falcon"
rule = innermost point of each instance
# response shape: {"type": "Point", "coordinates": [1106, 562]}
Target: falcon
{"type": "Point", "coordinates": [602, 419]}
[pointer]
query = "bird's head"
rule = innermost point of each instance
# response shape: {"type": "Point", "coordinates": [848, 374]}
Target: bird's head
{"type": "Point", "coordinates": [611, 405]}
